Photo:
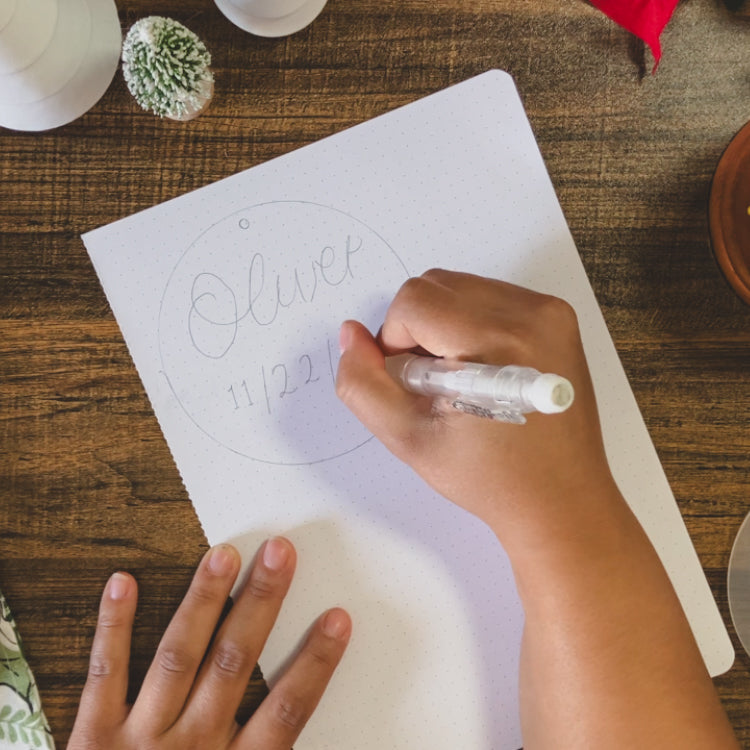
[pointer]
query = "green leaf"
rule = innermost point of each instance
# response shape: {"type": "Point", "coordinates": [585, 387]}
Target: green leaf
{"type": "Point", "coordinates": [5, 711]}
{"type": "Point", "coordinates": [24, 735]}
{"type": "Point", "coordinates": [17, 716]}
{"type": "Point", "coordinates": [35, 738]}
{"type": "Point", "coordinates": [18, 676]}
{"type": "Point", "coordinates": [2, 732]}
{"type": "Point", "coordinates": [12, 733]}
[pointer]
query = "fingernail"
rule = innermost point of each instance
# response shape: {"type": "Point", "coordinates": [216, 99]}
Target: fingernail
{"type": "Point", "coordinates": [336, 624]}
{"type": "Point", "coordinates": [275, 554]}
{"type": "Point", "coordinates": [345, 336]}
{"type": "Point", "coordinates": [222, 560]}
{"type": "Point", "coordinates": [118, 587]}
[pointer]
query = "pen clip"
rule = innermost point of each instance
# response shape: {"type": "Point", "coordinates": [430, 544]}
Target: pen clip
{"type": "Point", "coordinates": [500, 411]}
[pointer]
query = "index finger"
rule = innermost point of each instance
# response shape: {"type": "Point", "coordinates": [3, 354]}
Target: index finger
{"type": "Point", "coordinates": [442, 311]}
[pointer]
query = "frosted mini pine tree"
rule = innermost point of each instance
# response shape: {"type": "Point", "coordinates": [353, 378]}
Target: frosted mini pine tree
{"type": "Point", "coordinates": [166, 68]}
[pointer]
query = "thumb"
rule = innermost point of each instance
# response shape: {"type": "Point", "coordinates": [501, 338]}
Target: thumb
{"type": "Point", "coordinates": [388, 410]}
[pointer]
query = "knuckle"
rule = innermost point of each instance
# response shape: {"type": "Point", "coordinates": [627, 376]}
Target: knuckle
{"type": "Point", "coordinates": [202, 593]}
{"type": "Point", "coordinates": [323, 655]}
{"type": "Point", "coordinates": [175, 660]}
{"type": "Point", "coordinates": [230, 660]}
{"type": "Point", "coordinates": [100, 666]}
{"type": "Point", "coordinates": [560, 316]}
{"type": "Point", "coordinates": [260, 587]}
{"type": "Point", "coordinates": [110, 620]}
{"type": "Point", "coordinates": [411, 290]}
{"type": "Point", "coordinates": [559, 310]}
{"type": "Point", "coordinates": [291, 712]}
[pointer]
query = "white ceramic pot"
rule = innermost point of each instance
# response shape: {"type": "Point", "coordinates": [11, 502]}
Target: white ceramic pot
{"type": "Point", "coordinates": [57, 58]}
{"type": "Point", "coordinates": [271, 18]}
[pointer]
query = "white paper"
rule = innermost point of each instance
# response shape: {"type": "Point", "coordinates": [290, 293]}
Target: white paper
{"type": "Point", "coordinates": [230, 299]}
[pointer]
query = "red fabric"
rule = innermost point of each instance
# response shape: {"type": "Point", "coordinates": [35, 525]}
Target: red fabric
{"type": "Point", "coordinates": [645, 18]}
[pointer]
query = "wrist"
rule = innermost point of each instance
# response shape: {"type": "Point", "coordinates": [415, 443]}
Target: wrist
{"type": "Point", "coordinates": [566, 531]}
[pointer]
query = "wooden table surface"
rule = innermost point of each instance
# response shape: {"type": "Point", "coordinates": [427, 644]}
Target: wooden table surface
{"type": "Point", "coordinates": [87, 484]}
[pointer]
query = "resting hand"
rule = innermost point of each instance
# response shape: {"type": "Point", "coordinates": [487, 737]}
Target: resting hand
{"type": "Point", "coordinates": [186, 701]}
{"type": "Point", "coordinates": [504, 473]}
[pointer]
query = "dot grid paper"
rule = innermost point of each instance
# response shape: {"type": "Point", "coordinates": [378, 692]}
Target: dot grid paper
{"type": "Point", "coordinates": [230, 299]}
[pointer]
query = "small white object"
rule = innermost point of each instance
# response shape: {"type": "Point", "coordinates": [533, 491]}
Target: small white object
{"type": "Point", "coordinates": [62, 56]}
{"type": "Point", "coordinates": [550, 394]}
{"type": "Point", "coordinates": [271, 18]}
{"type": "Point", "coordinates": [501, 393]}
{"type": "Point", "coordinates": [26, 33]}
{"type": "Point", "coordinates": [50, 79]}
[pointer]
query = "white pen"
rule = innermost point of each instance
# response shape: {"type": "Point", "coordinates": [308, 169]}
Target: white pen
{"type": "Point", "coordinates": [502, 393]}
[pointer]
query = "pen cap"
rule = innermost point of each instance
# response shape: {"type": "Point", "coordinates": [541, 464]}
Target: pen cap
{"type": "Point", "coordinates": [550, 394]}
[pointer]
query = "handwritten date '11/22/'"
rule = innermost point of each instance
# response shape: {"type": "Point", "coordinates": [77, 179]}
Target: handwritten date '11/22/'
{"type": "Point", "coordinates": [278, 381]}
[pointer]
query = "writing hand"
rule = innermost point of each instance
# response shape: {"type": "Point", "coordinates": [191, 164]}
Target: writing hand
{"type": "Point", "coordinates": [191, 692]}
{"type": "Point", "coordinates": [505, 474]}
{"type": "Point", "coordinates": [605, 638]}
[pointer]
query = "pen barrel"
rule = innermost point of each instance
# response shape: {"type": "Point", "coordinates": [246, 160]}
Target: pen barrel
{"type": "Point", "coordinates": [523, 388]}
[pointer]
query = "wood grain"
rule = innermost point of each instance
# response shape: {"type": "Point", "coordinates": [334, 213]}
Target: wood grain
{"type": "Point", "coordinates": [88, 485]}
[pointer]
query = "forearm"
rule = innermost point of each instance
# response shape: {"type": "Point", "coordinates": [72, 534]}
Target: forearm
{"type": "Point", "coordinates": [608, 658]}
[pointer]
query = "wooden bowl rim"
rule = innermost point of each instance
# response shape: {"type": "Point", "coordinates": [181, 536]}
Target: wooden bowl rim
{"type": "Point", "coordinates": [729, 255]}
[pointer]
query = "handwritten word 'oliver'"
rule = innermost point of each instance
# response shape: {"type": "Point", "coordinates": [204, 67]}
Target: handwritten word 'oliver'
{"type": "Point", "coordinates": [215, 316]}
